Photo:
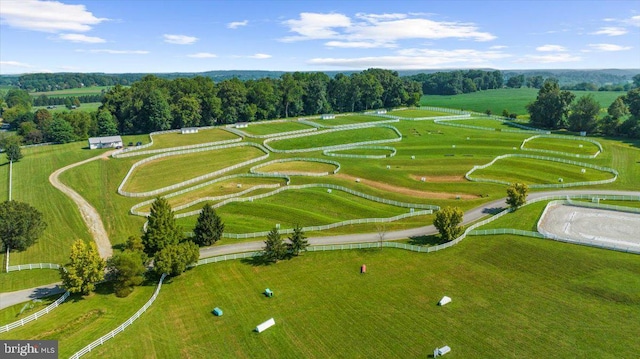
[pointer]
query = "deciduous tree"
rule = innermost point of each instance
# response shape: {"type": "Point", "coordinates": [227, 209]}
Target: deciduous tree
{"type": "Point", "coordinates": [584, 114]}
{"type": "Point", "coordinates": [127, 271]}
{"type": "Point", "coordinates": [20, 225]}
{"type": "Point", "coordinates": [174, 259]}
{"type": "Point", "coordinates": [551, 106]}
{"type": "Point", "coordinates": [447, 221]}
{"type": "Point", "coordinates": [84, 269]}
{"type": "Point", "coordinates": [517, 195]}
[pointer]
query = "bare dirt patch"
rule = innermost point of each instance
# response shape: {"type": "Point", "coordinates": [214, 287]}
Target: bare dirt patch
{"type": "Point", "coordinates": [439, 179]}
{"type": "Point", "coordinates": [408, 191]}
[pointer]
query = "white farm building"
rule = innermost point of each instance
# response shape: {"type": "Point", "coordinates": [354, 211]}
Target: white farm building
{"type": "Point", "coordinates": [105, 142]}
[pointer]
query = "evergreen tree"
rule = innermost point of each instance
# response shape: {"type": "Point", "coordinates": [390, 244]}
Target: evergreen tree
{"type": "Point", "coordinates": [174, 259]}
{"type": "Point", "coordinates": [209, 227]}
{"type": "Point", "coordinates": [127, 270]}
{"type": "Point", "coordinates": [275, 248]}
{"type": "Point", "coordinates": [84, 269]}
{"type": "Point", "coordinates": [298, 241]}
{"type": "Point", "coordinates": [162, 229]}
{"type": "Point", "coordinates": [20, 225]}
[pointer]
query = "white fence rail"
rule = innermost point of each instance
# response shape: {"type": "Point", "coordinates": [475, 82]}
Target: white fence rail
{"type": "Point", "coordinates": [34, 316]}
{"type": "Point", "coordinates": [33, 266]}
{"type": "Point", "coordinates": [569, 138]}
{"type": "Point", "coordinates": [193, 180]}
{"type": "Point", "coordinates": [122, 326]}
{"type": "Point", "coordinates": [255, 168]}
{"type": "Point", "coordinates": [549, 185]}
{"type": "Point", "coordinates": [348, 155]}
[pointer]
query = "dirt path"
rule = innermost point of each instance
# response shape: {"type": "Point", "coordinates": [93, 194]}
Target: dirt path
{"type": "Point", "coordinates": [89, 214]}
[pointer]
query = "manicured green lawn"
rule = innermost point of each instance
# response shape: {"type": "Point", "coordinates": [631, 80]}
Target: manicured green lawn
{"type": "Point", "coordinates": [18, 280]}
{"type": "Point", "coordinates": [91, 90]}
{"type": "Point", "coordinates": [306, 207]}
{"type": "Point", "coordinates": [349, 120]}
{"type": "Point", "coordinates": [417, 113]}
{"type": "Point", "coordinates": [513, 100]}
{"type": "Point", "coordinates": [513, 297]}
{"type": "Point", "coordinates": [79, 321]}
{"type": "Point", "coordinates": [175, 139]}
{"type": "Point", "coordinates": [570, 146]}
{"type": "Point", "coordinates": [532, 171]}
{"type": "Point", "coordinates": [485, 122]}
{"type": "Point", "coordinates": [298, 166]}
{"type": "Point", "coordinates": [266, 128]}
{"type": "Point", "coordinates": [524, 218]}
{"type": "Point", "coordinates": [335, 138]}
{"type": "Point", "coordinates": [174, 169]}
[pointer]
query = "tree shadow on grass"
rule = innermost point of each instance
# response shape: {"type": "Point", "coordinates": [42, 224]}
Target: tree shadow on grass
{"type": "Point", "coordinates": [431, 240]}
{"type": "Point", "coordinates": [493, 210]}
{"type": "Point", "coordinates": [257, 261]}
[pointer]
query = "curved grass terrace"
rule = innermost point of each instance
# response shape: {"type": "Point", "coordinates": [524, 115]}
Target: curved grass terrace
{"type": "Point", "coordinates": [329, 138]}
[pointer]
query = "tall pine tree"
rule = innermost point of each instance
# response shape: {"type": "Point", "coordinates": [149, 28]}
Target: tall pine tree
{"type": "Point", "coordinates": [162, 230]}
{"type": "Point", "coordinates": [275, 248]}
{"type": "Point", "coordinates": [209, 227]}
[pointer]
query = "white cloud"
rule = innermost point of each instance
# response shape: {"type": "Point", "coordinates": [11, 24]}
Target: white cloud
{"type": "Point", "coordinates": [115, 52]}
{"type": "Point", "coordinates": [237, 24]}
{"type": "Point", "coordinates": [357, 44]}
{"type": "Point", "coordinates": [498, 47]}
{"type": "Point", "coordinates": [260, 56]}
{"type": "Point", "coordinates": [633, 21]}
{"type": "Point", "coordinates": [417, 59]}
{"type": "Point", "coordinates": [549, 59]}
{"type": "Point", "coordinates": [551, 48]}
{"type": "Point", "coordinates": [14, 64]}
{"type": "Point", "coordinates": [47, 16]}
{"type": "Point", "coordinates": [81, 38]}
{"type": "Point", "coordinates": [382, 30]}
{"type": "Point", "coordinates": [202, 55]}
{"type": "Point", "coordinates": [609, 47]}
{"type": "Point", "coordinates": [610, 31]}
{"type": "Point", "coordinates": [179, 39]}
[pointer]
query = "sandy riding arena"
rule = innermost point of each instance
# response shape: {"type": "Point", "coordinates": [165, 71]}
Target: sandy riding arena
{"type": "Point", "coordinates": [581, 224]}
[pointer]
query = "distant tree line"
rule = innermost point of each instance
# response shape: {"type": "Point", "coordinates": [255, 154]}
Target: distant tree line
{"type": "Point", "coordinates": [555, 108]}
{"type": "Point", "coordinates": [44, 100]}
{"type": "Point", "coordinates": [457, 82]}
{"type": "Point", "coordinates": [155, 104]}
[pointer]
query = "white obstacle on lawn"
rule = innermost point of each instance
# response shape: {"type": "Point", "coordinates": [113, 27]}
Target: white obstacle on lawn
{"type": "Point", "coordinates": [266, 325]}
{"type": "Point", "coordinates": [441, 351]}
{"type": "Point", "coordinates": [444, 301]}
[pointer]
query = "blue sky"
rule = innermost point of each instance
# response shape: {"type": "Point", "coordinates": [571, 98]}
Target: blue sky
{"type": "Point", "coordinates": [116, 36]}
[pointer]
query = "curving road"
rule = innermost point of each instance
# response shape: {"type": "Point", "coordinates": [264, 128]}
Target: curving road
{"type": "Point", "coordinates": [90, 216]}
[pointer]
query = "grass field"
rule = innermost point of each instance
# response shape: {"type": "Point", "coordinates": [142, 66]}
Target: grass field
{"type": "Point", "coordinates": [91, 90]}
{"type": "Point", "coordinates": [572, 146]}
{"type": "Point", "coordinates": [176, 139]}
{"type": "Point", "coordinates": [532, 171]}
{"type": "Point", "coordinates": [318, 208]}
{"type": "Point", "coordinates": [335, 138]}
{"type": "Point", "coordinates": [417, 113]}
{"type": "Point", "coordinates": [349, 120]}
{"type": "Point", "coordinates": [12, 281]}
{"type": "Point", "coordinates": [265, 128]}
{"type": "Point", "coordinates": [153, 175]}
{"type": "Point", "coordinates": [364, 151]}
{"type": "Point", "coordinates": [297, 167]}
{"type": "Point", "coordinates": [485, 122]}
{"type": "Point", "coordinates": [513, 100]}
{"type": "Point", "coordinates": [87, 107]}
{"type": "Point", "coordinates": [513, 297]}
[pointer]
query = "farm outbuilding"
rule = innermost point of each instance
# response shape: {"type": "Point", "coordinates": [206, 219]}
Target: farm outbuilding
{"type": "Point", "coordinates": [187, 130]}
{"type": "Point", "coordinates": [241, 125]}
{"type": "Point", "coordinates": [327, 117]}
{"type": "Point", "coordinates": [105, 142]}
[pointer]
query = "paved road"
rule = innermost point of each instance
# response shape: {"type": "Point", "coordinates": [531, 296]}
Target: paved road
{"type": "Point", "coordinates": [12, 298]}
{"type": "Point", "coordinates": [470, 216]}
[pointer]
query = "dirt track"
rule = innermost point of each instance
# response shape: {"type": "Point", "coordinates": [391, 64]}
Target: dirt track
{"type": "Point", "coordinates": [89, 214]}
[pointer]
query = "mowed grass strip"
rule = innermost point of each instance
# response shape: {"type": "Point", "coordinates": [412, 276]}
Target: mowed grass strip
{"type": "Point", "coordinates": [174, 169]}
{"type": "Point", "coordinates": [524, 218]}
{"type": "Point", "coordinates": [349, 120]}
{"type": "Point", "coordinates": [89, 90]}
{"type": "Point", "coordinates": [417, 113]}
{"type": "Point", "coordinates": [364, 151]}
{"type": "Point", "coordinates": [80, 320]}
{"type": "Point", "coordinates": [87, 107]}
{"type": "Point", "coordinates": [175, 139]}
{"type": "Point", "coordinates": [576, 147]}
{"type": "Point", "coordinates": [267, 128]}
{"type": "Point", "coordinates": [484, 122]}
{"type": "Point", "coordinates": [532, 171]}
{"type": "Point", "coordinates": [335, 138]}
{"type": "Point", "coordinates": [23, 279]}
{"type": "Point", "coordinates": [306, 207]}
{"type": "Point", "coordinates": [298, 167]}
{"type": "Point", "coordinates": [513, 297]}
